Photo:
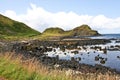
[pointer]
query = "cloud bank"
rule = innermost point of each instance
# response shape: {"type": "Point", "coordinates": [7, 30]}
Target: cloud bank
{"type": "Point", "coordinates": [40, 19]}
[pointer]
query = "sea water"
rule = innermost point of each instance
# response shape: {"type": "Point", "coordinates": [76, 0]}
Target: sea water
{"type": "Point", "coordinates": [112, 57]}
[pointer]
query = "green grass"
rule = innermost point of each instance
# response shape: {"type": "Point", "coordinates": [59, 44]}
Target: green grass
{"type": "Point", "coordinates": [12, 68]}
{"type": "Point", "coordinates": [9, 27]}
{"type": "Point", "coordinates": [83, 30]}
{"type": "Point", "coordinates": [14, 30]}
{"type": "Point", "coordinates": [15, 68]}
{"type": "Point", "coordinates": [54, 32]}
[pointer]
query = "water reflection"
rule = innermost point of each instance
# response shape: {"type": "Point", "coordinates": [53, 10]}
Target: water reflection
{"type": "Point", "coordinates": [106, 55]}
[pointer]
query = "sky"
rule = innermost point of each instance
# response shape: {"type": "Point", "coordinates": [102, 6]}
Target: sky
{"type": "Point", "coordinates": [100, 15]}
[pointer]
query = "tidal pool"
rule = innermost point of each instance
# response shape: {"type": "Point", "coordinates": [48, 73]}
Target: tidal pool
{"type": "Point", "coordinates": [106, 55]}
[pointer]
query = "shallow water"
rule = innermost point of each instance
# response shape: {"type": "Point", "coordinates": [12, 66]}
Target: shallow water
{"type": "Point", "coordinates": [109, 59]}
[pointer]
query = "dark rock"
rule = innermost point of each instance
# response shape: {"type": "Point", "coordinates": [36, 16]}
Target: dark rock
{"type": "Point", "coordinates": [75, 52]}
{"type": "Point", "coordinates": [102, 61]}
{"type": "Point", "coordinates": [96, 58]}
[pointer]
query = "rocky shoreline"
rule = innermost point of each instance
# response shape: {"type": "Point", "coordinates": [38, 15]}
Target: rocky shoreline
{"type": "Point", "coordinates": [36, 48]}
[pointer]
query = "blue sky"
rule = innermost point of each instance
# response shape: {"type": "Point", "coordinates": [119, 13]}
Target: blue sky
{"type": "Point", "coordinates": [109, 8]}
{"type": "Point", "coordinates": [91, 12]}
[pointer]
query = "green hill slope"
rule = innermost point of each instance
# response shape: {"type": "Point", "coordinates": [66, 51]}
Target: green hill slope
{"type": "Point", "coordinates": [83, 30]}
{"type": "Point", "coordinates": [54, 30]}
{"type": "Point", "coordinates": [9, 27]}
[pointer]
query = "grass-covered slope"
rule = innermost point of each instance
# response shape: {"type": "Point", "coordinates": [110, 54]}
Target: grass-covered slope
{"type": "Point", "coordinates": [9, 27]}
{"type": "Point", "coordinates": [53, 31]}
{"type": "Point", "coordinates": [83, 30]}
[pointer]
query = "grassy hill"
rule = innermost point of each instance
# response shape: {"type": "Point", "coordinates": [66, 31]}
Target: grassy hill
{"type": "Point", "coordinates": [9, 27]}
{"type": "Point", "coordinates": [83, 30]}
{"type": "Point", "coordinates": [53, 31]}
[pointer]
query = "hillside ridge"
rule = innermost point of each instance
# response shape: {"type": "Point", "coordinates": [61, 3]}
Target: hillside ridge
{"type": "Point", "coordinates": [9, 27]}
{"type": "Point", "coordinates": [83, 30]}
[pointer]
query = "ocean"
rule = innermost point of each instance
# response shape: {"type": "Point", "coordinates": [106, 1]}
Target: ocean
{"type": "Point", "coordinates": [111, 58]}
{"type": "Point", "coordinates": [106, 36]}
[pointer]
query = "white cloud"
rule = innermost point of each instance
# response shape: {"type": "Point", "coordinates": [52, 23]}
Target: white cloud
{"type": "Point", "coordinates": [40, 19]}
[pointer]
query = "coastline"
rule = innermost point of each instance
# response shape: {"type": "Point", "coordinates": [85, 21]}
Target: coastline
{"type": "Point", "coordinates": [36, 48]}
